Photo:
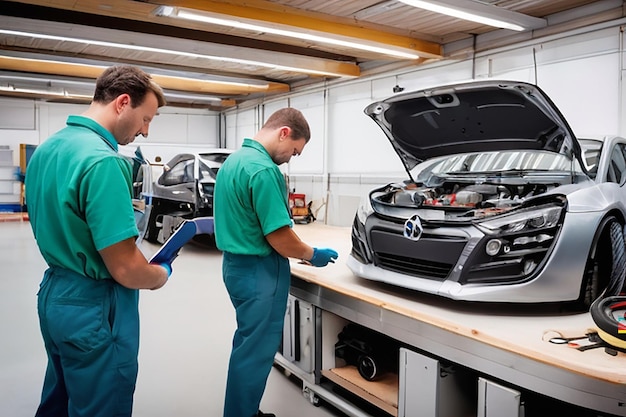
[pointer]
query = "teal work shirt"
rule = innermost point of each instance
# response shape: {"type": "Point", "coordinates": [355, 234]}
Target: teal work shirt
{"type": "Point", "coordinates": [79, 197]}
{"type": "Point", "coordinates": [250, 201]}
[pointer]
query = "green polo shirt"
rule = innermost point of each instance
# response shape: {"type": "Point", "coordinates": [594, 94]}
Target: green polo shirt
{"type": "Point", "coordinates": [79, 197]}
{"type": "Point", "coordinates": [250, 201]}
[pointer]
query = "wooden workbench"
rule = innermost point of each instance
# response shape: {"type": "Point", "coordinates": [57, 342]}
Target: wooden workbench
{"type": "Point", "coordinates": [507, 342]}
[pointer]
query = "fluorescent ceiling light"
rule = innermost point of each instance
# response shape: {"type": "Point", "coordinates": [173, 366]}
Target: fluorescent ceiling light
{"type": "Point", "coordinates": [175, 53]}
{"type": "Point", "coordinates": [62, 88]}
{"type": "Point", "coordinates": [39, 92]}
{"type": "Point", "coordinates": [486, 14]}
{"type": "Point", "coordinates": [47, 81]}
{"type": "Point", "coordinates": [168, 11]}
{"type": "Point", "coordinates": [193, 97]}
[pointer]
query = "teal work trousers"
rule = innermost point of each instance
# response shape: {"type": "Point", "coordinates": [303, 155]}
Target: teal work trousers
{"type": "Point", "coordinates": [258, 288]}
{"type": "Point", "coordinates": [90, 330]}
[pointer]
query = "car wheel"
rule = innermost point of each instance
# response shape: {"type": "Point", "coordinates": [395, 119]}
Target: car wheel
{"type": "Point", "coordinates": [204, 240]}
{"type": "Point", "coordinates": [606, 266]}
{"type": "Point", "coordinates": [152, 230]}
{"type": "Point", "coordinates": [618, 273]}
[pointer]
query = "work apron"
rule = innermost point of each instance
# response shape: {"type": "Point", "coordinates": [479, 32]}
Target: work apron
{"type": "Point", "coordinates": [258, 287]}
{"type": "Point", "coordinates": [91, 332]}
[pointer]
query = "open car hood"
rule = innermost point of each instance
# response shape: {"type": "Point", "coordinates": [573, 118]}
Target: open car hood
{"type": "Point", "coordinates": [479, 116]}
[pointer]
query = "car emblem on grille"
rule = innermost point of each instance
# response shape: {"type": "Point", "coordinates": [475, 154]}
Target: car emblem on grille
{"type": "Point", "coordinates": [413, 228]}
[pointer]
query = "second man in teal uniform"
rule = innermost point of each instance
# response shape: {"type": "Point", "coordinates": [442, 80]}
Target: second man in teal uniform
{"type": "Point", "coordinates": [253, 229]}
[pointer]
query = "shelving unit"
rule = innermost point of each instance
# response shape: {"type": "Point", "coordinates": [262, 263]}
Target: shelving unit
{"type": "Point", "coordinates": [383, 393]}
{"type": "Point", "coordinates": [10, 186]}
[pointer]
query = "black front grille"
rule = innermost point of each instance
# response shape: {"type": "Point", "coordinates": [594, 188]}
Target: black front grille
{"type": "Point", "coordinates": [431, 256]}
{"type": "Point", "coordinates": [358, 250]}
{"type": "Point", "coordinates": [413, 266]}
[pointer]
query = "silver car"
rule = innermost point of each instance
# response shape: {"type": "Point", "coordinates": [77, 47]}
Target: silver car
{"type": "Point", "coordinates": [502, 202]}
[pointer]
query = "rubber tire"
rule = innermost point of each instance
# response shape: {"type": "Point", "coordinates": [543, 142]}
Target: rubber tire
{"type": "Point", "coordinates": [152, 231]}
{"type": "Point", "coordinates": [602, 314]}
{"type": "Point", "coordinates": [618, 272]}
{"type": "Point", "coordinates": [598, 278]}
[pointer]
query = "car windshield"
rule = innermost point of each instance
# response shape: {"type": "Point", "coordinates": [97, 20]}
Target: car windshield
{"type": "Point", "coordinates": [494, 162]}
{"type": "Point", "coordinates": [210, 163]}
{"type": "Point", "coordinates": [206, 172]}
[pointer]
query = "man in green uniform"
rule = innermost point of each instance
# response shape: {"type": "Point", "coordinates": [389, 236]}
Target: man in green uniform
{"type": "Point", "coordinates": [253, 229]}
{"type": "Point", "coordinates": [80, 207]}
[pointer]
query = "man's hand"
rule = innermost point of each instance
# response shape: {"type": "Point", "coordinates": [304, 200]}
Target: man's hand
{"type": "Point", "coordinates": [322, 256]}
{"type": "Point", "coordinates": [128, 266]}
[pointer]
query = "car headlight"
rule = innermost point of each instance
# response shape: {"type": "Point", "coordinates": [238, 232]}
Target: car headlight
{"type": "Point", "coordinates": [526, 220]}
{"type": "Point", "coordinates": [365, 209]}
{"type": "Point", "coordinates": [515, 245]}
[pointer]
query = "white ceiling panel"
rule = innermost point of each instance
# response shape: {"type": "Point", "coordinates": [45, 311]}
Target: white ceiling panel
{"type": "Point", "coordinates": [267, 64]}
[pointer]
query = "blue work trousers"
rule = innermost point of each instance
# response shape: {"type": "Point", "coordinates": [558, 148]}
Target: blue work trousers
{"type": "Point", "coordinates": [258, 288]}
{"type": "Point", "coordinates": [91, 332]}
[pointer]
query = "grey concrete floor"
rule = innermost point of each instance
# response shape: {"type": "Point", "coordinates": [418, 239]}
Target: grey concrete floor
{"type": "Point", "coordinates": [186, 331]}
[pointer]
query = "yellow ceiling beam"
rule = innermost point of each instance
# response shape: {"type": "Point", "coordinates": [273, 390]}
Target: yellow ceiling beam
{"type": "Point", "coordinates": [282, 16]}
{"type": "Point", "coordinates": [259, 11]}
{"type": "Point", "coordinates": [165, 81]}
{"type": "Point", "coordinates": [143, 11]}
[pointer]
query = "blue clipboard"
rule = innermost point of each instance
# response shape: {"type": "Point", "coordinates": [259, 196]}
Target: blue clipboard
{"type": "Point", "coordinates": [183, 234]}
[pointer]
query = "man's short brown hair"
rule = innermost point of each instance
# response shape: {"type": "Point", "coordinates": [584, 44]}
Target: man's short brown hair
{"type": "Point", "coordinates": [292, 118]}
{"type": "Point", "coordinates": [126, 79]}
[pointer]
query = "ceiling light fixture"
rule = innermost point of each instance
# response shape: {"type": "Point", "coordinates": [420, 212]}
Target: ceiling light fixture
{"type": "Point", "coordinates": [47, 81]}
{"type": "Point", "coordinates": [176, 53]}
{"type": "Point", "coordinates": [191, 97]}
{"type": "Point", "coordinates": [486, 14]}
{"type": "Point", "coordinates": [197, 16]}
{"type": "Point", "coordinates": [39, 92]}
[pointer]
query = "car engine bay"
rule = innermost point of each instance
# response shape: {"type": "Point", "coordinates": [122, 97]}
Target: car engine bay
{"type": "Point", "coordinates": [465, 200]}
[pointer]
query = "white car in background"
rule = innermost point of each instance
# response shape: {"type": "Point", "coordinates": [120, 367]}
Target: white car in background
{"type": "Point", "coordinates": [183, 191]}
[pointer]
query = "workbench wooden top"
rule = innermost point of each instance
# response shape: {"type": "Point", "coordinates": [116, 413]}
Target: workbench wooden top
{"type": "Point", "coordinates": [522, 329]}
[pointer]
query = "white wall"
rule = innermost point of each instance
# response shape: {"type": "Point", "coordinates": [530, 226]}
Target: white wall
{"type": "Point", "coordinates": [349, 155]}
{"type": "Point", "coordinates": [580, 73]}
{"type": "Point", "coordinates": [32, 122]}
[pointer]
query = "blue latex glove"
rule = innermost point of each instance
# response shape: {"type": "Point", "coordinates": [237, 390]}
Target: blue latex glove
{"type": "Point", "coordinates": [322, 256]}
{"type": "Point", "coordinates": [166, 266]}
